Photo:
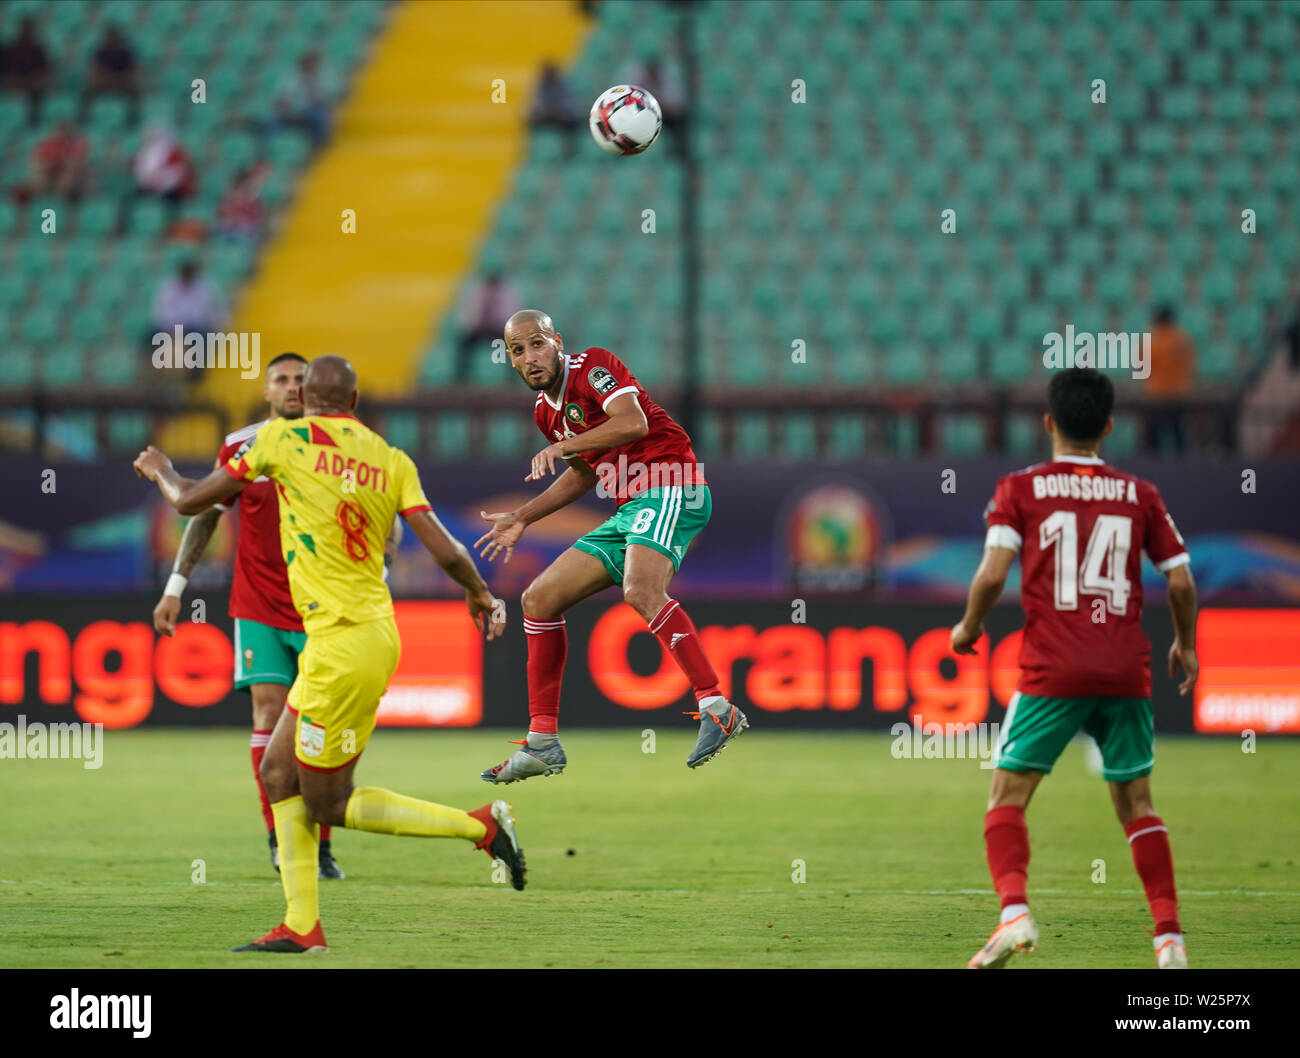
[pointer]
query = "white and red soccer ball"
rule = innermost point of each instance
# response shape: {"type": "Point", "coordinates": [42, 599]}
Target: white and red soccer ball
{"type": "Point", "coordinates": [625, 119]}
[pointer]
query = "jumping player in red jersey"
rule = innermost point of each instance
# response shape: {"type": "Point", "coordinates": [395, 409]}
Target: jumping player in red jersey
{"type": "Point", "coordinates": [600, 422]}
{"type": "Point", "coordinates": [1081, 527]}
{"type": "Point", "coordinates": [268, 631]}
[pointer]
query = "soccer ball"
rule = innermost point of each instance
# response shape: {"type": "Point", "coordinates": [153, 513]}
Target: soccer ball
{"type": "Point", "coordinates": [625, 119]}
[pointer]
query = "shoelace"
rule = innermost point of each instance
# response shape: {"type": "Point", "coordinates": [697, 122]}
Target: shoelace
{"type": "Point", "coordinates": [513, 742]}
{"type": "Point", "coordinates": [725, 729]}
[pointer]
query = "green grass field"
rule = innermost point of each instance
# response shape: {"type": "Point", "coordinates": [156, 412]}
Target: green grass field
{"type": "Point", "coordinates": [636, 861]}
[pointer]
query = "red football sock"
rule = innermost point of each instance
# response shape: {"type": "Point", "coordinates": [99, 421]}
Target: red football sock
{"type": "Point", "coordinates": [1149, 839]}
{"type": "Point", "coordinates": [677, 633]}
{"type": "Point", "coordinates": [258, 751]}
{"type": "Point", "coordinates": [1006, 842]}
{"type": "Point", "coordinates": [548, 644]}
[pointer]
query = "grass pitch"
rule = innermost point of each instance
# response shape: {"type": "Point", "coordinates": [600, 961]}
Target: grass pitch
{"type": "Point", "coordinates": [636, 861]}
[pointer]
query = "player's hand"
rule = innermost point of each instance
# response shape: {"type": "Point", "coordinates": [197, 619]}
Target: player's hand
{"type": "Point", "coordinates": [504, 534]}
{"type": "Point", "coordinates": [964, 639]}
{"type": "Point", "coordinates": [152, 461]}
{"type": "Point", "coordinates": [1186, 657]}
{"type": "Point", "coordinates": [544, 462]}
{"type": "Point", "coordinates": [487, 612]}
{"type": "Point", "coordinates": [165, 614]}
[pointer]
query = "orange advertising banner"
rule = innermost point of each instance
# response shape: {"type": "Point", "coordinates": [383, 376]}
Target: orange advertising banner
{"type": "Point", "coordinates": [1250, 671]}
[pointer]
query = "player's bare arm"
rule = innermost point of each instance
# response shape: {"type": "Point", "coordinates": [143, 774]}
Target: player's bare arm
{"type": "Point", "coordinates": [509, 526]}
{"type": "Point", "coordinates": [393, 542]}
{"type": "Point", "coordinates": [487, 612]}
{"type": "Point", "coordinates": [185, 494]}
{"type": "Point", "coordinates": [626, 422]}
{"type": "Point", "coordinates": [985, 590]}
{"type": "Point", "coordinates": [1182, 606]}
{"type": "Point", "coordinates": [194, 541]}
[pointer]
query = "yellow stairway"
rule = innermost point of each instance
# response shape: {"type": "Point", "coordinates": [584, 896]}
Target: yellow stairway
{"type": "Point", "coordinates": [423, 156]}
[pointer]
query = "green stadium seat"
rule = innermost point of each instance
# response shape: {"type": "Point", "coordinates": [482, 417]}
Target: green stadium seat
{"type": "Point", "coordinates": [116, 366]}
{"type": "Point", "coordinates": [798, 437]}
{"type": "Point", "coordinates": [451, 434]}
{"type": "Point", "coordinates": [62, 366]}
{"type": "Point", "coordinates": [958, 362]}
{"type": "Point", "coordinates": [752, 436]}
{"type": "Point", "coordinates": [402, 430]}
{"type": "Point", "coordinates": [848, 438]}
{"type": "Point", "coordinates": [17, 366]}
{"type": "Point", "coordinates": [961, 435]}
{"type": "Point", "coordinates": [128, 431]}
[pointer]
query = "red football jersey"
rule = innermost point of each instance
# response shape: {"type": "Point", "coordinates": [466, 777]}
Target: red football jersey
{"type": "Point", "coordinates": [662, 457]}
{"type": "Point", "coordinates": [1081, 527]}
{"type": "Point", "coordinates": [260, 589]}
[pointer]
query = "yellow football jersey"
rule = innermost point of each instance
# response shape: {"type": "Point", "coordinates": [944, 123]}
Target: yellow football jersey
{"type": "Point", "coordinates": [340, 484]}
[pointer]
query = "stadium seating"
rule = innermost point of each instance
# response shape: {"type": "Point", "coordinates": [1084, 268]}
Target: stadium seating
{"type": "Point", "coordinates": [74, 307]}
{"type": "Point", "coordinates": [820, 220]}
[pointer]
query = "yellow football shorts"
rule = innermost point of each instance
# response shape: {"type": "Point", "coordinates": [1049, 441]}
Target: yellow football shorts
{"type": "Point", "coordinates": [342, 673]}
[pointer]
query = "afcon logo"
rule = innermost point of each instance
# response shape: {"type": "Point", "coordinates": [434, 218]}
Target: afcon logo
{"type": "Point", "coordinates": [832, 538]}
{"type": "Point", "coordinates": [574, 414]}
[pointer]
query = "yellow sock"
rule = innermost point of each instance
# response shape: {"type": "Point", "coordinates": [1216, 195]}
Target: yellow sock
{"type": "Point", "coordinates": [384, 812]}
{"type": "Point", "coordinates": [299, 841]}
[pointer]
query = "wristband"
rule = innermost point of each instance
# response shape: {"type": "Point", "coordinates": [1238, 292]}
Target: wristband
{"type": "Point", "coordinates": [175, 585]}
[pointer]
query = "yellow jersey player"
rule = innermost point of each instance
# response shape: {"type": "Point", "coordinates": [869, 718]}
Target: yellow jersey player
{"type": "Point", "coordinates": [339, 486]}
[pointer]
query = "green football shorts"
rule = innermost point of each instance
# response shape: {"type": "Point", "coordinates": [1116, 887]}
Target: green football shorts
{"type": "Point", "coordinates": [265, 655]}
{"type": "Point", "coordinates": [1036, 730]}
{"type": "Point", "coordinates": [665, 518]}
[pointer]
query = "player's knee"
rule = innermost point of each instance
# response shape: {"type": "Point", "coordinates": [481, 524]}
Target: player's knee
{"type": "Point", "coordinates": [642, 599]}
{"type": "Point", "coordinates": [1128, 809]}
{"type": "Point", "coordinates": [277, 778]}
{"type": "Point", "coordinates": [327, 809]}
{"type": "Point", "coordinates": [535, 604]}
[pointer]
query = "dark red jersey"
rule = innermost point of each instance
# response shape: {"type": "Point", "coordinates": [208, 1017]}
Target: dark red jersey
{"type": "Point", "coordinates": [260, 590]}
{"type": "Point", "coordinates": [1081, 527]}
{"type": "Point", "coordinates": [662, 457]}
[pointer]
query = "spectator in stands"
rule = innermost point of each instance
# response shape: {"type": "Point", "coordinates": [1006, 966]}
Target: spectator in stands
{"type": "Point", "coordinates": [163, 167]}
{"type": "Point", "coordinates": [61, 163]}
{"type": "Point", "coordinates": [301, 102]}
{"type": "Point", "coordinates": [239, 213]}
{"type": "Point", "coordinates": [113, 68]}
{"type": "Point", "coordinates": [1173, 361]}
{"type": "Point", "coordinates": [187, 300]}
{"type": "Point", "coordinates": [554, 105]}
{"type": "Point", "coordinates": [25, 64]}
{"type": "Point", "coordinates": [665, 86]}
{"type": "Point", "coordinates": [483, 316]}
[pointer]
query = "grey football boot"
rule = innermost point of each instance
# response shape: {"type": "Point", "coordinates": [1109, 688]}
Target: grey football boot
{"type": "Point", "coordinates": [526, 762]}
{"type": "Point", "coordinates": [719, 724]}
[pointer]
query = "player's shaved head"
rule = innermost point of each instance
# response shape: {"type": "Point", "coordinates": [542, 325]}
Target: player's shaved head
{"type": "Point", "coordinates": [530, 320]}
{"type": "Point", "coordinates": [329, 385]}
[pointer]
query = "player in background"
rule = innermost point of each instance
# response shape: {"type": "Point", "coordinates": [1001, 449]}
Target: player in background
{"type": "Point", "coordinates": [1081, 527]}
{"type": "Point", "coordinates": [598, 420]}
{"type": "Point", "coordinates": [340, 485]}
{"type": "Point", "coordinates": [268, 630]}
